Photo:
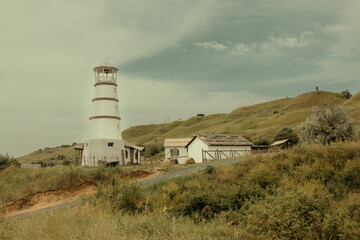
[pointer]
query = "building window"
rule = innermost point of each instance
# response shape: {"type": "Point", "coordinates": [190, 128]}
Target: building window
{"type": "Point", "coordinates": [126, 154]}
{"type": "Point", "coordinates": [174, 152]}
{"type": "Point", "coordinates": [110, 144]}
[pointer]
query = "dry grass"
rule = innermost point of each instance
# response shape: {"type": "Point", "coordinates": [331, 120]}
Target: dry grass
{"type": "Point", "coordinates": [257, 121]}
{"type": "Point", "coordinates": [91, 223]}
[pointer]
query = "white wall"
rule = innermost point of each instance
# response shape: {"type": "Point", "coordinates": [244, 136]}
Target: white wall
{"type": "Point", "coordinates": [183, 154]}
{"type": "Point", "coordinates": [105, 128]}
{"type": "Point", "coordinates": [98, 149]}
{"type": "Point", "coordinates": [195, 149]}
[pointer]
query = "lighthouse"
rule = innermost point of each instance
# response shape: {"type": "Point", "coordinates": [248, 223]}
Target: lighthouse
{"type": "Point", "coordinates": [105, 144]}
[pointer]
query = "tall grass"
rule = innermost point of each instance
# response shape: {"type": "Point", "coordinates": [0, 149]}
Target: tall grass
{"type": "Point", "coordinates": [16, 183]}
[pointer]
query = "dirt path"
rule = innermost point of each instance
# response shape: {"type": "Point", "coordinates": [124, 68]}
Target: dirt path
{"type": "Point", "coordinates": [60, 199]}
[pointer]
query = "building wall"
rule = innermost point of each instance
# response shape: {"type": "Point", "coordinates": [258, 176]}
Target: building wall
{"type": "Point", "coordinates": [195, 149]}
{"type": "Point", "coordinates": [105, 91]}
{"type": "Point", "coordinates": [105, 128]}
{"type": "Point", "coordinates": [183, 154]}
{"type": "Point", "coordinates": [96, 150]}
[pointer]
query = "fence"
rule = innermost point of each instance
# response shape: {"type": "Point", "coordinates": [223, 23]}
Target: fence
{"type": "Point", "coordinates": [221, 154]}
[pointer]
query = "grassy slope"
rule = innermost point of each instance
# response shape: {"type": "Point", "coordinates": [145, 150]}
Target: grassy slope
{"type": "Point", "coordinates": [256, 121]}
{"type": "Point", "coordinates": [307, 192]}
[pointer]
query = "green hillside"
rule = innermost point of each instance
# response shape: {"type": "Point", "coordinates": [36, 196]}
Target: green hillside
{"type": "Point", "coordinates": [256, 121]}
{"type": "Point", "coordinates": [260, 121]}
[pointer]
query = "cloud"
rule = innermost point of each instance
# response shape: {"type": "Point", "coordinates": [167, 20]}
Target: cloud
{"type": "Point", "coordinates": [241, 48]}
{"type": "Point", "coordinates": [305, 39]}
{"type": "Point", "coordinates": [273, 43]}
{"type": "Point", "coordinates": [211, 45]}
{"type": "Point", "coordinates": [50, 49]}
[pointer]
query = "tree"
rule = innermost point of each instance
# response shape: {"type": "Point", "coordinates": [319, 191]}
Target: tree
{"type": "Point", "coordinates": [346, 94]}
{"type": "Point", "coordinates": [287, 133]}
{"type": "Point", "coordinates": [328, 125]}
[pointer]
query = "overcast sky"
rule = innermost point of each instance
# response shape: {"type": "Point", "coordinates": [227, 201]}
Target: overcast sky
{"type": "Point", "coordinates": [176, 58]}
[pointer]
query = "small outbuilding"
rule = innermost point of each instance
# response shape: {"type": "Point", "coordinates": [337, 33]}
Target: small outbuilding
{"type": "Point", "coordinates": [205, 147]}
{"type": "Point", "coordinates": [133, 153]}
{"type": "Point", "coordinates": [175, 149]}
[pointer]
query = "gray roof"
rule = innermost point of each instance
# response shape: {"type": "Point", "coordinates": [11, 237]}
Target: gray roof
{"type": "Point", "coordinates": [223, 140]}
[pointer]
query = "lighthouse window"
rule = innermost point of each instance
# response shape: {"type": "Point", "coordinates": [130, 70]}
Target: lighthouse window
{"type": "Point", "coordinates": [110, 144]}
{"type": "Point", "coordinates": [126, 154]}
{"type": "Point", "coordinates": [114, 90]}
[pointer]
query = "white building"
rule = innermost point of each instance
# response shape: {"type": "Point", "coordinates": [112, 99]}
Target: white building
{"type": "Point", "coordinates": [105, 143]}
{"type": "Point", "coordinates": [205, 147]}
{"type": "Point", "coordinates": [175, 148]}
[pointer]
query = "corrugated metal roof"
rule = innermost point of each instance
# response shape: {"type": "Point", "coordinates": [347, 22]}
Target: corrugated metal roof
{"type": "Point", "coordinates": [176, 142]}
{"type": "Point", "coordinates": [279, 142]}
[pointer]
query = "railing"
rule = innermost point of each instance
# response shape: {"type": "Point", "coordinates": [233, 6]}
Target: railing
{"type": "Point", "coordinates": [105, 78]}
{"type": "Point", "coordinates": [221, 154]}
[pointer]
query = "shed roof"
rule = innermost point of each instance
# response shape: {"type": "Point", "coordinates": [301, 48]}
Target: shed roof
{"type": "Point", "coordinates": [176, 142]}
{"type": "Point", "coordinates": [276, 143]}
{"type": "Point", "coordinates": [223, 140]}
{"type": "Point", "coordinates": [131, 145]}
{"type": "Point", "coordinates": [79, 146]}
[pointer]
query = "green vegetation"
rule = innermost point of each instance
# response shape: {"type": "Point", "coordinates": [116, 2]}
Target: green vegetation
{"type": "Point", "coordinates": [328, 125]}
{"type": "Point", "coordinates": [259, 123]}
{"type": "Point", "coordinates": [307, 192]}
{"type": "Point", "coordinates": [287, 133]}
{"type": "Point", "coordinates": [6, 160]}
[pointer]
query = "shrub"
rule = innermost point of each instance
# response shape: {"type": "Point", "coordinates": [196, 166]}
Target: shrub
{"type": "Point", "coordinates": [287, 133]}
{"type": "Point", "coordinates": [346, 94]}
{"type": "Point", "coordinates": [290, 214]}
{"type": "Point", "coordinates": [209, 169]}
{"type": "Point", "coordinates": [262, 141]}
{"type": "Point", "coordinates": [153, 148]}
{"type": "Point", "coordinates": [127, 198]}
{"type": "Point", "coordinates": [6, 160]}
{"type": "Point", "coordinates": [328, 125]}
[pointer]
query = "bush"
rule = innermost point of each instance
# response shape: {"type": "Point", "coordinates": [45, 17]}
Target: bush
{"type": "Point", "coordinates": [262, 141]}
{"type": "Point", "coordinates": [287, 133]}
{"type": "Point", "coordinates": [152, 149]}
{"type": "Point", "coordinates": [346, 94]}
{"type": "Point", "coordinates": [128, 198]}
{"type": "Point", "coordinates": [209, 169]}
{"type": "Point", "coordinates": [328, 125]}
{"type": "Point", "coordinates": [290, 214]}
{"type": "Point", "coordinates": [6, 160]}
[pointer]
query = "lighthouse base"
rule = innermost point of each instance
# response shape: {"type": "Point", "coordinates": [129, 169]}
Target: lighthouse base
{"type": "Point", "coordinates": [101, 152]}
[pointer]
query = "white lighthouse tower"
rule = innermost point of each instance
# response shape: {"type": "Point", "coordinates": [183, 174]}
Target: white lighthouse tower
{"type": "Point", "coordinates": [105, 144]}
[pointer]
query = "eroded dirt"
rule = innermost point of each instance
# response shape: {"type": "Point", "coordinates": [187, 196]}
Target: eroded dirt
{"type": "Point", "coordinates": [53, 198]}
{"type": "Point", "coordinates": [48, 199]}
